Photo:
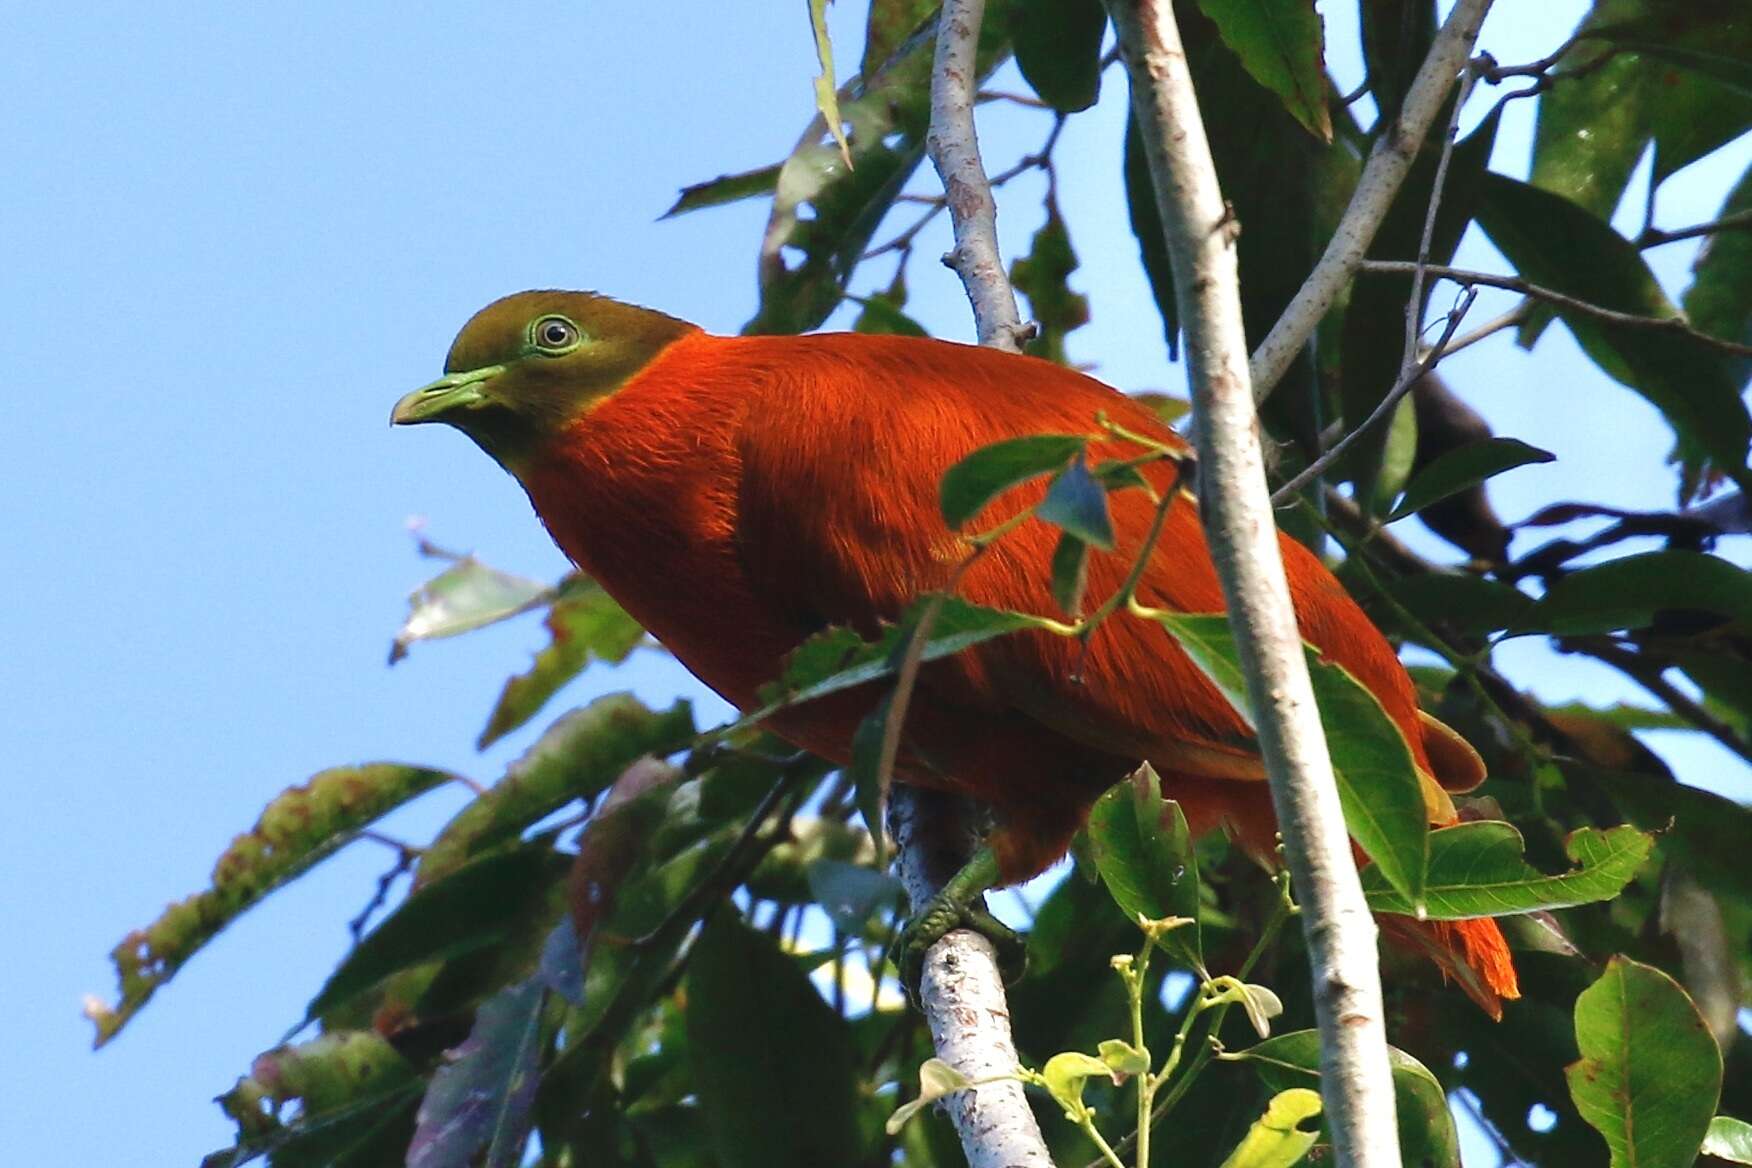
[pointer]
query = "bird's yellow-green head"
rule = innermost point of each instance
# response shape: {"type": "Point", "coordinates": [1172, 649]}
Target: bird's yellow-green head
{"type": "Point", "coordinates": [528, 365]}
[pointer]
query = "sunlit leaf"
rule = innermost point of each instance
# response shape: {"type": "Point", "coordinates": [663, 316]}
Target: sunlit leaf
{"type": "Point", "coordinates": [991, 470]}
{"type": "Point", "coordinates": [1427, 1136]}
{"type": "Point", "coordinates": [1477, 870]}
{"type": "Point", "coordinates": [465, 596]}
{"type": "Point", "coordinates": [1066, 1073]}
{"type": "Point", "coordinates": [726, 188]}
{"type": "Point", "coordinates": [1729, 1139]}
{"type": "Point", "coordinates": [826, 96]}
{"type": "Point", "coordinates": [578, 756]}
{"type": "Point", "coordinates": [1144, 853]}
{"type": "Point", "coordinates": [1282, 45]}
{"type": "Point", "coordinates": [1277, 1139]}
{"type": "Point", "coordinates": [354, 1095]}
{"type": "Point", "coordinates": [1043, 276]}
{"type": "Point", "coordinates": [936, 1079]}
{"type": "Point", "coordinates": [1650, 1073]}
{"type": "Point", "coordinates": [301, 827]}
{"type": "Point", "coordinates": [585, 625]}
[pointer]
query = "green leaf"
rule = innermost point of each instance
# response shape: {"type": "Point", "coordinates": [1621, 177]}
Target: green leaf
{"type": "Point", "coordinates": [355, 1100]}
{"type": "Point", "coordinates": [1070, 574]}
{"type": "Point", "coordinates": [889, 26]}
{"type": "Point", "coordinates": [1277, 1139]}
{"type": "Point", "coordinates": [851, 894]}
{"type": "Point", "coordinates": [1058, 48]}
{"type": "Point", "coordinates": [726, 188]}
{"type": "Point", "coordinates": [1468, 604]}
{"type": "Point", "coordinates": [1476, 870]}
{"type": "Point", "coordinates": [586, 625]}
{"type": "Point", "coordinates": [1729, 1139]}
{"type": "Point", "coordinates": [1064, 1076]}
{"type": "Point", "coordinates": [988, 472]}
{"type": "Point", "coordinates": [826, 95]}
{"type": "Point", "coordinates": [1281, 45]}
{"type": "Point", "coordinates": [869, 790]}
{"type": "Point", "coordinates": [1650, 1073]}
{"type": "Point", "coordinates": [1630, 592]}
{"type": "Point", "coordinates": [1378, 783]}
{"type": "Point", "coordinates": [469, 909]}
{"type": "Point", "coordinates": [1555, 243]}
{"type": "Point", "coordinates": [772, 1064]}
{"type": "Point", "coordinates": [1427, 1136]}
{"type": "Point", "coordinates": [1396, 38]}
{"type": "Point", "coordinates": [1146, 225]}
{"type": "Point", "coordinates": [482, 1096]}
{"type": "Point", "coordinates": [613, 843]}
{"type": "Point", "coordinates": [300, 828]}
{"type": "Point", "coordinates": [1592, 127]}
{"type": "Point", "coordinates": [1719, 300]}
{"type": "Point", "coordinates": [1043, 276]}
{"type": "Point", "coordinates": [579, 755]}
{"type": "Point", "coordinates": [1122, 1059]}
{"type": "Point", "coordinates": [881, 314]}
{"type": "Point", "coordinates": [465, 596]}
{"type": "Point", "coordinates": [936, 1079]}
{"type": "Point", "coordinates": [1462, 467]}
{"type": "Point", "coordinates": [1144, 853]}
{"type": "Point", "coordinates": [1076, 503]}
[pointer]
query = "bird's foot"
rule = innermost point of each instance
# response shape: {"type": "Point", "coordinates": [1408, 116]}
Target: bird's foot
{"type": "Point", "coordinates": [943, 914]}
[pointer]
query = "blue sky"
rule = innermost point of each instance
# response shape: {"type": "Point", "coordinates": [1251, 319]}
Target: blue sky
{"type": "Point", "coordinates": [236, 233]}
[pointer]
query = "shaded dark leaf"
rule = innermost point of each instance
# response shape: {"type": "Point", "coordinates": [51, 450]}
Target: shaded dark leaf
{"type": "Point", "coordinates": [1043, 275]}
{"type": "Point", "coordinates": [1555, 243]}
{"type": "Point", "coordinates": [1396, 37]}
{"type": "Point", "coordinates": [1077, 503]}
{"type": "Point", "coordinates": [1070, 573]}
{"type": "Point", "coordinates": [1464, 467]}
{"type": "Point", "coordinates": [611, 846]}
{"type": "Point", "coordinates": [890, 24]}
{"type": "Point", "coordinates": [1630, 592]}
{"type": "Point", "coordinates": [482, 1097]}
{"type": "Point", "coordinates": [1465, 519]}
{"type": "Point", "coordinates": [772, 1064]}
{"type": "Point", "coordinates": [1467, 604]}
{"type": "Point", "coordinates": [1146, 225]}
{"type": "Point", "coordinates": [726, 188]}
{"type": "Point", "coordinates": [851, 894]}
{"type": "Point", "coordinates": [469, 909]}
{"type": "Point", "coordinates": [1719, 300]}
{"type": "Point", "coordinates": [1650, 1073]}
{"type": "Point", "coordinates": [1058, 48]}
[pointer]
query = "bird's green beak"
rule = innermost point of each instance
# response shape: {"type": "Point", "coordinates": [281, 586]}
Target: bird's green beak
{"type": "Point", "coordinates": [445, 397]}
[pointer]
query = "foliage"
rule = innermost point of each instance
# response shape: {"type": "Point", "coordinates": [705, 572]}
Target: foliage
{"type": "Point", "coordinates": [648, 945]}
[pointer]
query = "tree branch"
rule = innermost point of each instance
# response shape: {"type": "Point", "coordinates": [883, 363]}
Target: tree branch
{"type": "Point", "coordinates": [954, 149]}
{"type": "Point", "coordinates": [961, 991]}
{"type": "Point", "coordinates": [1387, 167]}
{"type": "Point", "coordinates": [1356, 1085]}
{"type": "Point", "coordinates": [1662, 324]}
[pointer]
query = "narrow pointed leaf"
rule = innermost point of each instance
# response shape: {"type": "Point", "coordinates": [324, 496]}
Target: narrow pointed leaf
{"type": "Point", "coordinates": [1281, 44]}
{"type": "Point", "coordinates": [1630, 592]}
{"type": "Point", "coordinates": [991, 470]}
{"type": "Point", "coordinates": [826, 95]}
{"type": "Point", "coordinates": [1463, 467]}
{"type": "Point", "coordinates": [1477, 870]}
{"type": "Point", "coordinates": [484, 1095]}
{"type": "Point", "coordinates": [726, 188]}
{"type": "Point", "coordinates": [1650, 1074]}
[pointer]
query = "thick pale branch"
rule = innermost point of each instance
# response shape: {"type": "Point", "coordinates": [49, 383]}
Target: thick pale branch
{"type": "Point", "coordinates": [1356, 1084]}
{"type": "Point", "coordinates": [961, 990]}
{"type": "Point", "coordinates": [1388, 164]}
{"type": "Point", "coordinates": [954, 149]}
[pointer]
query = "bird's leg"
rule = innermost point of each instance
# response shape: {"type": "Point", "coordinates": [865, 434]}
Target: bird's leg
{"type": "Point", "coordinates": [960, 904]}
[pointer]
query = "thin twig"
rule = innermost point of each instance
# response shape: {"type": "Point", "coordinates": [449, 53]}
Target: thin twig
{"type": "Point", "coordinates": [1388, 164]}
{"type": "Point", "coordinates": [1356, 1086]}
{"type": "Point", "coordinates": [953, 145]}
{"type": "Point", "coordinates": [1403, 386]}
{"type": "Point", "coordinates": [1508, 320]}
{"type": "Point", "coordinates": [1677, 325]}
{"type": "Point", "coordinates": [1648, 674]}
{"type": "Point", "coordinates": [1657, 237]}
{"type": "Point", "coordinates": [1414, 307]}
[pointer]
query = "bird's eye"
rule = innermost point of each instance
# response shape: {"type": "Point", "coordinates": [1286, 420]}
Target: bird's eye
{"type": "Point", "coordinates": [555, 334]}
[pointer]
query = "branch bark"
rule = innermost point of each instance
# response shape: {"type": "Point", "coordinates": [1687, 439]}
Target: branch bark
{"type": "Point", "coordinates": [961, 991]}
{"type": "Point", "coordinates": [1356, 1085]}
{"type": "Point", "coordinates": [954, 149]}
{"type": "Point", "coordinates": [1388, 164]}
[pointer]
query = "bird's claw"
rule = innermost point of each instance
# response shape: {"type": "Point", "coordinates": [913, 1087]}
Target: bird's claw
{"type": "Point", "coordinates": [942, 915]}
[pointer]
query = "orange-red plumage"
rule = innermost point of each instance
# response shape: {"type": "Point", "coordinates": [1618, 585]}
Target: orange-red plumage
{"type": "Point", "coordinates": [739, 494]}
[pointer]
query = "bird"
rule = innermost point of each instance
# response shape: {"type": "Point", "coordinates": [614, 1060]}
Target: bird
{"type": "Point", "coordinates": [740, 494]}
